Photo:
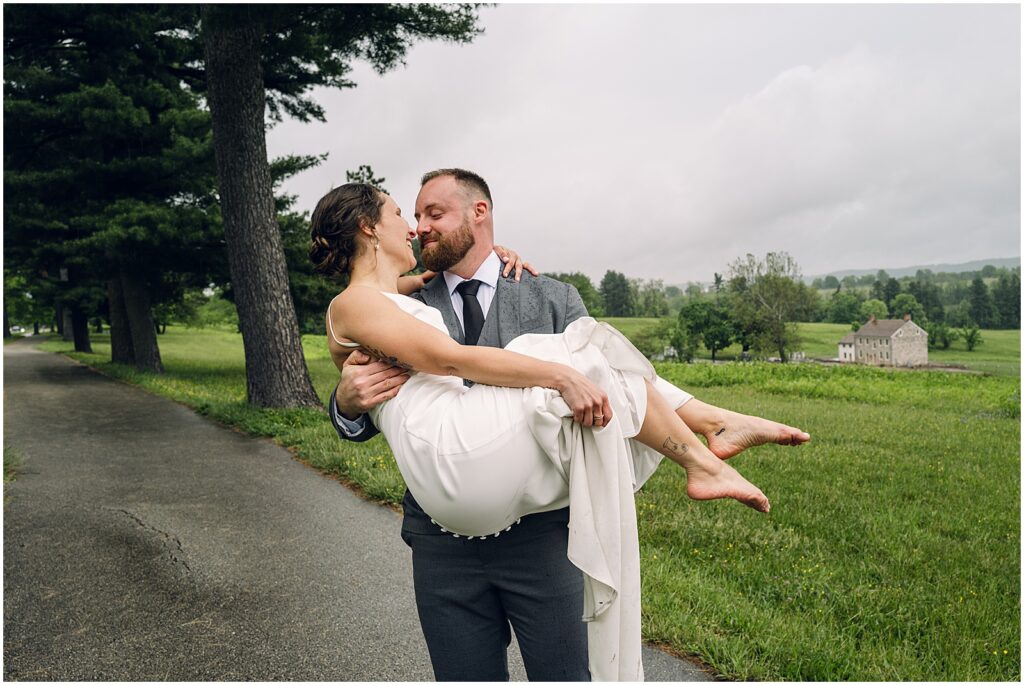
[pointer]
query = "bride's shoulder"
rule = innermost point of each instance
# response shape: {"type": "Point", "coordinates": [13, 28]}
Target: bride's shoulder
{"type": "Point", "coordinates": [355, 295]}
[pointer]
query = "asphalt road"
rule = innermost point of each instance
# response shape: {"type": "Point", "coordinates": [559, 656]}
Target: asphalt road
{"type": "Point", "coordinates": [143, 542]}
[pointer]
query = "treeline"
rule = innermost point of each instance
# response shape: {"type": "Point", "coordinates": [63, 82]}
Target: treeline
{"type": "Point", "coordinates": [618, 296]}
{"type": "Point", "coordinates": [989, 298]}
{"type": "Point", "coordinates": [758, 301]}
{"type": "Point", "coordinates": [136, 179]}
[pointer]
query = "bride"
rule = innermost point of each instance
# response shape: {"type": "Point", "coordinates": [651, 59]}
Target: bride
{"type": "Point", "coordinates": [573, 418]}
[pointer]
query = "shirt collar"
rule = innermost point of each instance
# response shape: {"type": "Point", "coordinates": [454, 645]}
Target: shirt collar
{"type": "Point", "coordinates": [487, 274]}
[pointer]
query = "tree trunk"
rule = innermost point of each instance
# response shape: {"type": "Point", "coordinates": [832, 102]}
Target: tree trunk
{"type": "Point", "coordinates": [140, 323]}
{"type": "Point", "coordinates": [58, 319]}
{"type": "Point", "coordinates": [121, 349]}
{"type": "Point", "coordinates": [79, 328]}
{"type": "Point", "coordinates": [276, 373]}
{"type": "Point", "coordinates": [68, 328]}
{"type": "Point", "coordinates": [7, 323]}
{"type": "Point", "coordinates": [99, 325]}
{"type": "Point", "coordinates": [35, 328]}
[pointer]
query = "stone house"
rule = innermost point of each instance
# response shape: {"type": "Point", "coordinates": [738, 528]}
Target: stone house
{"type": "Point", "coordinates": [887, 342]}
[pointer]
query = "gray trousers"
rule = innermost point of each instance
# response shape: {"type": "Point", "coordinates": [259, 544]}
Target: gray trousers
{"type": "Point", "coordinates": [469, 593]}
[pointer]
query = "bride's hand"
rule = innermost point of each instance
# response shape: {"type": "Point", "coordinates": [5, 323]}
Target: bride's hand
{"type": "Point", "coordinates": [407, 285]}
{"type": "Point", "coordinates": [588, 403]}
{"type": "Point", "coordinates": [512, 261]}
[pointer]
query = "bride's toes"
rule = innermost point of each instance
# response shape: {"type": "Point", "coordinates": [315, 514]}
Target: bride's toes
{"type": "Point", "coordinates": [743, 431]}
{"type": "Point", "coordinates": [760, 503]}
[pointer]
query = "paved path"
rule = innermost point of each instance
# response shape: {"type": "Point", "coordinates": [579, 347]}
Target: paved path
{"type": "Point", "coordinates": [143, 542]}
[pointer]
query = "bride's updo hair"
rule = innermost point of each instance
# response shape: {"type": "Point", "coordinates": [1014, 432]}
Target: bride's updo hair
{"type": "Point", "coordinates": [335, 225]}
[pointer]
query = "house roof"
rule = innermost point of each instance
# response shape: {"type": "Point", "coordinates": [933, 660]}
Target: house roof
{"type": "Point", "coordinates": [849, 339]}
{"type": "Point", "coordinates": [881, 328]}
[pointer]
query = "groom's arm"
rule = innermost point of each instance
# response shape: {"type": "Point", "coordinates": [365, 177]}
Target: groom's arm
{"type": "Point", "coordinates": [574, 307]}
{"type": "Point", "coordinates": [364, 384]}
{"type": "Point", "coordinates": [359, 429]}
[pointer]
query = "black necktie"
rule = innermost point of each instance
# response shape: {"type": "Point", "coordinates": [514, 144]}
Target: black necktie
{"type": "Point", "coordinates": [472, 314]}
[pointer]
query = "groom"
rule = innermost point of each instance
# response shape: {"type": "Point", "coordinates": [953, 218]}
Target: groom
{"type": "Point", "coordinates": [468, 592]}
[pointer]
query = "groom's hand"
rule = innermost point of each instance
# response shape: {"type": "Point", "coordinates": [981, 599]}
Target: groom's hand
{"type": "Point", "coordinates": [365, 384]}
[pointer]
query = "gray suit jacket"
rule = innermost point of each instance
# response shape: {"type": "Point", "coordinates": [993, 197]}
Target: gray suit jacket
{"type": "Point", "coordinates": [536, 304]}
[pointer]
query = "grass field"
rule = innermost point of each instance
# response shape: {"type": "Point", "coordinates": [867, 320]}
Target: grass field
{"type": "Point", "coordinates": [892, 551]}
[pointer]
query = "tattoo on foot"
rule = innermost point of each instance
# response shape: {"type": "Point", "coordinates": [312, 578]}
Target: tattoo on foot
{"type": "Point", "coordinates": [674, 447]}
{"type": "Point", "coordinates": [720, 431]}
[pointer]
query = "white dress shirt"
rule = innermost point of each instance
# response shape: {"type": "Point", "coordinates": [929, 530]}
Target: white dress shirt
{"type": "Point", "coordinates": [487, 274]}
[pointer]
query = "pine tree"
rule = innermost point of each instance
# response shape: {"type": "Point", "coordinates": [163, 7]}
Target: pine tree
{"type": "Point", "coordinates": [108, 164]}
{"type": "Point", "coordinates": [1006, 298]}
{"type": "Point", "coordinates": [980, 303]}
{"type": "Point", "coordinates": [617, 294]}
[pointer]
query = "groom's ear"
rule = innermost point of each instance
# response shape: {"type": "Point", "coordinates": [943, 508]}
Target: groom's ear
{"type": "Point", "coordinates": [481, 209]}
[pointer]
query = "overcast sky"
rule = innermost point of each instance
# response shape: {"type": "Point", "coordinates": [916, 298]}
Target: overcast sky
{"type": "Point", "coordinates": [665, 141]}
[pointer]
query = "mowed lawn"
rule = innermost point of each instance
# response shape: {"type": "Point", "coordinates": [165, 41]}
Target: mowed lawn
{"type": "Point", "coordinates": [892, 551]}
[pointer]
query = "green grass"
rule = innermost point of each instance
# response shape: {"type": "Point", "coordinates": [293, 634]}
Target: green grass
{"type": "Point", "coordinates": [12, 462]}
{"type": "Point", "coordinates": [632, 326]}
{"type": "Point", "coordinates": [999, 354]}
{"type": "Point", "coordinates": [892, 551]}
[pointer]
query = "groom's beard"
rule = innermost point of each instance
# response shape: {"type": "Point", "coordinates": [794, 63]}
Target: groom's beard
{"type": "Point", "coordinates": [448, 250]}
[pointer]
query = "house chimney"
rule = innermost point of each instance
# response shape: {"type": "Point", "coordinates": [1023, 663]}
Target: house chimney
{"type": "Point", "coordinates": [872, 319]}
{"type": "Point", "coordinates": [906, 317]}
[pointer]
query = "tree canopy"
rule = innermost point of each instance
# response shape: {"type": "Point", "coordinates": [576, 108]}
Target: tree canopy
{"type": "Point", "coordinates": [108, 164]}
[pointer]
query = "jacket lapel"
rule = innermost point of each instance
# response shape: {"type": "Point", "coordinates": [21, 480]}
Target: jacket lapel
{"type": "Point", "coordinates": [435, 294]}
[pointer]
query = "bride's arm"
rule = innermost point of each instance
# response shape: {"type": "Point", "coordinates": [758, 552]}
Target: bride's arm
{"type": "Point", "coordinates": [384, 330]}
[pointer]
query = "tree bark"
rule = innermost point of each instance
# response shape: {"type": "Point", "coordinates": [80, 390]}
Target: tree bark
{"type": "Point", "coordinates": [276, 373]}
{"type": "Point", "coordinates": [121, 349]}
{"type": "Point", "coordinates": [35, 328]}
{"type": "Point", "coordinates": [7, 323]}
{"type": "Point", "coordinates": [67, 329]}
{"type": "Point", "coordinates": [79, 328]}
{"type": "Point", "coordinates": [99, 325]}
{"type": "Point", "coordinates": [140, 323]}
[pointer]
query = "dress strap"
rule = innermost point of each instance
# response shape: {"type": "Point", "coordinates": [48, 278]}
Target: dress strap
{"type": "Point", "coordinates": [330, 327]}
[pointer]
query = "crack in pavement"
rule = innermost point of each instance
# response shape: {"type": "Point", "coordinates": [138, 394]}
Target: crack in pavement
{"type": "Point", "coordinates": [166, 539]}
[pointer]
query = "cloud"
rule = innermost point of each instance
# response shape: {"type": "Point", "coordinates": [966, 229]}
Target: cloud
{"type": "Point", "coordinates": [665, 141]}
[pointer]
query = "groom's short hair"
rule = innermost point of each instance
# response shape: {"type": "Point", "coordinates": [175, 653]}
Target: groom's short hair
{"type": "Point", "coordinates": [467, 179]}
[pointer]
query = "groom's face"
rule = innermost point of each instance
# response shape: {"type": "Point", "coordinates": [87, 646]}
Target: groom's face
{"type": "Point", "coordinates": [442, 215]}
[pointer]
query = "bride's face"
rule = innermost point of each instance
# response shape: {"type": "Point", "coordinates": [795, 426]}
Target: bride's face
{"type": "Point", "coordinates": [395, 233]}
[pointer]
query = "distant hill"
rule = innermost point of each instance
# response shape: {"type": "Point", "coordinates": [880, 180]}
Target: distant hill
{"type": "Point", "coordinates": [976, 265]}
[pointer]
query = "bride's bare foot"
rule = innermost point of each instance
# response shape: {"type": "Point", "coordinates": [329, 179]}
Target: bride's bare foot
{"type": "Point", "coordinates": [740, 431]}
{"type": "Point", "coordinates": [715, 481]}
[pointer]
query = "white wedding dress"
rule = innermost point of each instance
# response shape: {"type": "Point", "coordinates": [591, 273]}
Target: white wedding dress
{"type": "Point", "coordinates": [479, 458]}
